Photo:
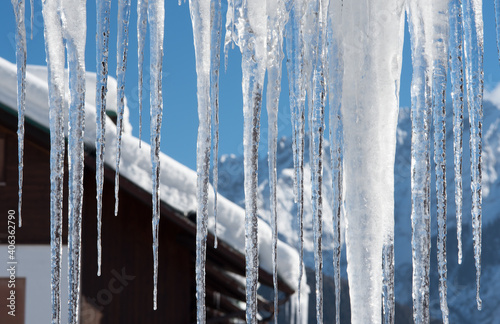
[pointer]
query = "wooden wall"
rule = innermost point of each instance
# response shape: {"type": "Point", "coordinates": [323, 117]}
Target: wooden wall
{"type": "Point", "coordinates": [124, 291]}
{"type": "Point", "coordinates": [127, 249]}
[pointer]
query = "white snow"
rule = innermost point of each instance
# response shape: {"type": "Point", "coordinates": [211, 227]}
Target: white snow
{"type": "Point", "coordinates": [40, 73]}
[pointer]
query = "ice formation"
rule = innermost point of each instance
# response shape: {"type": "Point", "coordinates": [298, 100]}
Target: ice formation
{"type": "Point", "coordinates": [55, 66]}
{"type": "Point", "coordinates": [18, 6]}
{"type": "Point", "coordinates": [457, 97]}
{"type": "Point", "coordinates": [121, 68]}
{"type": "Point", "coordinates": [156, 19]}
{"type": "Point", "coordinates": [201, 17]}
{"type": "Point", "coordinates": [474, 76]}
{"type": "Point", "coordinates": [142, 26]}
{"type": "Point", "coordinates": [275, 26]}
{"type": "Point", "coordinates": [344, 56]}
{"type": "Point", "coordinates": [102, 41]}
{"type": "Point", "coordinates": [335, 78]}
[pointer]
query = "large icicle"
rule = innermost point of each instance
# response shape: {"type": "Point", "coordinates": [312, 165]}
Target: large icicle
{"type": "Point", "coordinates": [473, 49]}
{"type": "Point", "coordinates": [334, 80]}
{"type": "Point", "coordinates": [201, 21]}
{"type": "Point", "coordinates": [276, 20]}
{"type": "Point", "coordinates": [249, 17]}
{"type": "Point", "coordinates": [21, 93]}
{"type": "Point", "coordinates": [156, 18]}
{"type": "Point", "coordinates": [372, 38]}
{"type": "Point", "coordinates": [439, 77]}
{"type": "Point", "coordinates": [215, 41]}
{"type": "Point", "coordinates": [142, 26]}
{"type": "Point", "coordinates": [121, 69]}
{"type": "Point", "coordinates": [74, 29]}
{"type": "Point", "coordinates": [457, 97]}
{"type": "Point", "coordinates": [420, 25]}
{"type": "Point", "coordinates": [54, 49]}
{"type": "Point", "coordinates": [102, 40]}
{"type": "Point", "coordinates": [295, 61]}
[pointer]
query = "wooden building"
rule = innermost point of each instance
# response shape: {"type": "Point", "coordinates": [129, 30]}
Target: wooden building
{"type": "Point", "coordinates": [124, 291]}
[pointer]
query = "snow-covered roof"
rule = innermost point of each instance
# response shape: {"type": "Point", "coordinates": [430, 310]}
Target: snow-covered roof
{"type": "Point", "coordinates": [178, 183]}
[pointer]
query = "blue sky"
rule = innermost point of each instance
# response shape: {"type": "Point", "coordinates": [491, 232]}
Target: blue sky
{"type": "Point", "coordinates": [180, 121]}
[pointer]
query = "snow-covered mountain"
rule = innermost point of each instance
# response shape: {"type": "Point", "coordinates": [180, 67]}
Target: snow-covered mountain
{"type": "Point", "coordinates": [461, 278]}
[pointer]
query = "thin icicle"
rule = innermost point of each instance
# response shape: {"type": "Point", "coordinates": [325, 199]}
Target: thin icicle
{"type": "Point", "coordinates": [295, 59]}
{"type": "Point", "coordinates": [457, 97]}
{"type": "Point", "coordinates": [473, 49]}
{"type": "Point", "coordinates": [251, 38]}
{"type": "Point", "coordinates": [230, 34]}
{"type": "Point", "coordinates": [215, 40]}
{"type": "Point", "coordinates": [335, 77]}
{"type": "Point", "coordinates": [102, 40]}
{"type": "Point", "coordinates": [18, 6]}
{"type": "Point", "coordinates": [156, 18]}
{"type": "Point", "coordinates": [142, 26]}
{"type": "Point", "coordinates": [201, 19]}
{"type": "Point", "coordinates": [419, 24]}
{"type": "Point", "coordinates": [121, 69]}
{"type": "Point", "coordinates": [276, 19]}
{"type": "Point", "coordinates": [497, 23]}
{"type": "Point", "coordinates": [54, 49]}
{"type": "Point", "coordinates": [74, 28]}
{"type": "Point", "coordinates": [314, 24]}
{"type": "Point", "coordinates": [440, 68]}
{"type": "Point", "coordinates": [32, 14]}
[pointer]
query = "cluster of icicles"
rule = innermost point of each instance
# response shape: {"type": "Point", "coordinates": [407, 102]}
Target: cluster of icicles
{"type": "Point", "coordinates": [342, 55]}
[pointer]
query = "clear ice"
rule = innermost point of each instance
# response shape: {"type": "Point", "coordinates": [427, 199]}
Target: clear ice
{"type": "Point", "coordinates": [102, 49]}
{"type": "Point", "coordinates": [121, 69]}
{"type": "Point", "coordinates": [54, 50]}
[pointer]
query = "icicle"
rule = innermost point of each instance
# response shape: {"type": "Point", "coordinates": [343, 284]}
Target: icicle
{"type": "Point", "coordinates": [74, 27]}
{"type": "Point", "coordinates": [251, 39]}
{"type": "Point", "coordinates": [335, 77]}
{"type": "Point", "coordinates": [142, 26]}
{"type": "Point", "coordinates": [102, 39]}
{"type": "Point", "coordinates": [121, 69]}
{"type": "Point", "coordinates": [372, 52]}
{"type": "Point", "coordinates": [21, 93]}
{"type": "Point", "coordinates": [457, 97]}
{"type": "Point", "coordinates": [216, 17]}
{"type": "Point", "coordinates": [32, 14]}
{"type": "Point", "coordinates": [54, 49]}
{"type": "Point", "coordinates": [388, 304]}
{"type": "Point", "coordinates": [497, 23]}
{"type": "Point", "coordinates": [473, 49]}
{"type": "Point", "coordinates": [440, 67]}
{"type": "Point", "coordinates": [421, 40]}
{"type": "Point", "coordinates": [276, 20]}
{"type": "Point", "coordinates": [156, 18]}
{"type": "Point", "coordinates": [230, 35]}
{"type": "Point", "coordinates": [201, 18]}
{"type": "Point", "coordinates": [295, 59]}
{"type": "Point", "coordinates": [314, 36]}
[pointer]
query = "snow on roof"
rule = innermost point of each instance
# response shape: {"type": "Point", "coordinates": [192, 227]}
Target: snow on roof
{"type": "Point", "coordinates": [178, 183]}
